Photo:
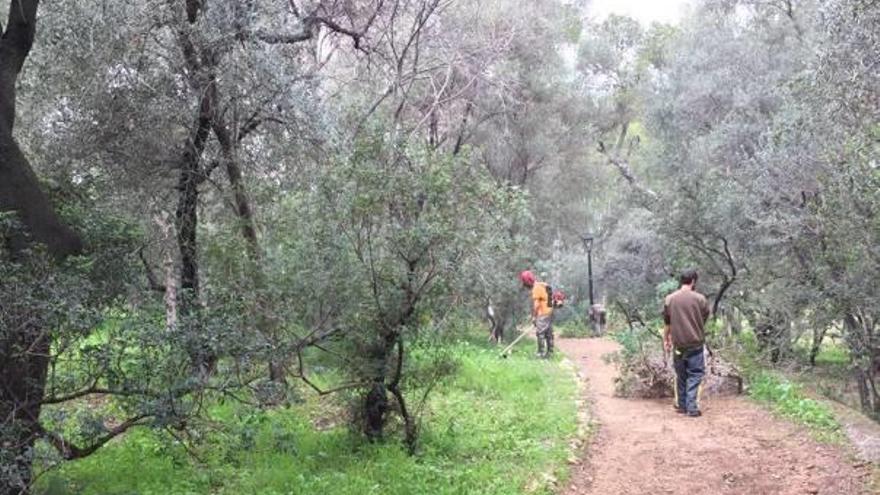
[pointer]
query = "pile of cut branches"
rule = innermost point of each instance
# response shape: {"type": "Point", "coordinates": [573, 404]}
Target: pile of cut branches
{"type": "Point", "coordinates": [644, 372]}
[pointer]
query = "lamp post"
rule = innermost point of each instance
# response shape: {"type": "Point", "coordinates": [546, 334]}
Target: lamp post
{"type": "Point", "coordinates": [588, 245]}
{"type": "Point", "coordinates": [597, 311]}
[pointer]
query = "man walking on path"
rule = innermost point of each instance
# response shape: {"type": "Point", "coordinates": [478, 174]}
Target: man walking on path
{"type": "Point", "coordinates": [685, 312]}
{"type": "Point", "coordinates": [542, 312]}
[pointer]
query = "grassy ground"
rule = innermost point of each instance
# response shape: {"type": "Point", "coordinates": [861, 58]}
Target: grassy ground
{"type": "Point", "coordinates": [499, 427]}
{"type": "Point", "coordinates": [572, 329]}
{"type": "Point", "coordinates": [831, 377]}
{"type": "Point", "coordinates": [789, 400]}
{"type": "Point", "coordinates": [783, 395]}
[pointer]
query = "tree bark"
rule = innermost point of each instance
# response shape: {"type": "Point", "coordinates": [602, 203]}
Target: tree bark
{"type": "Point", "coordinates": [860, 334]}
{"type": "Point", "coordinates": [263, 309]}
{"type": "Point", "coordinates": [24, 352]}
{"type": "Point", "coordinates": [201, 64]}
{"type": "Point", "coordinates": [410, 429]}
{"type": "Point", "coordinates": [818, 337]}
{"type": "Point", "coordinates": [25, 346]}
{"type": "Point", "coordinates": [19, 188]}
{"type": "Point", "coordinates": [864, 392]}
{"type": "Point", "coordinates": [191, 176]}
{"type": "Point", "coordinates": [376, 398]}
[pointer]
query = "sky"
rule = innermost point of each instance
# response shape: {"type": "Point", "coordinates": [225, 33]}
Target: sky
{"type": "Point", "coordinates": [646, 11]}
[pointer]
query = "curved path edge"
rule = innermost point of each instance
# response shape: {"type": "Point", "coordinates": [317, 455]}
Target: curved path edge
{"type": "Point", "coordinates": [643, 447]}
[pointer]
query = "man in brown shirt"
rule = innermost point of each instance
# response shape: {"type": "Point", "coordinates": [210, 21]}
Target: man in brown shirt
{"type": "Point", "coordinates": [685, 312]}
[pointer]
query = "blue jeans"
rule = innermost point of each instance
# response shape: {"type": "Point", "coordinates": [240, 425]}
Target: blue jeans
{"type": "Point", "coordinates": [690, 367]}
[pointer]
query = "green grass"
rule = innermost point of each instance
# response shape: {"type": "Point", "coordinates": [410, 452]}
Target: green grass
{"type": "Point", "coordinates": [788, 400]}
{"type": "Point", "coordinates": [572, 329]}
{"type": "Point", "coordinates": [783, 396]}
{"type": "Point", "coordinates": [498, 427]}
{"type": "Point", "coordinates": [832, 353]}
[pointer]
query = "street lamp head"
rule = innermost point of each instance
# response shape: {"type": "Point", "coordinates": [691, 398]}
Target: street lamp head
{"type": "Point", "coordinates": [588, 241]}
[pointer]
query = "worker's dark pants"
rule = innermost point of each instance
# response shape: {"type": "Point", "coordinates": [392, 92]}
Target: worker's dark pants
{"type": "Point", "coordinates": [544, 333]}
{"type": "Point", "coordinates": [690, 366]}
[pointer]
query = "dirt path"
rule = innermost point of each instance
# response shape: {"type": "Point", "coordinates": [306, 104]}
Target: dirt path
{"type": "Point", "coordinates": [643, 447]}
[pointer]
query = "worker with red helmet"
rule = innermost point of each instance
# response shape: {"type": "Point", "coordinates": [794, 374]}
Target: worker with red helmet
{"type": "Point", "coordinates": [542, 311]}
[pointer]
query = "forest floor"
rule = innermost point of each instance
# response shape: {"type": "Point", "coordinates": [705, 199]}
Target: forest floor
{"type": "Point", "coordinates": [736, 447]}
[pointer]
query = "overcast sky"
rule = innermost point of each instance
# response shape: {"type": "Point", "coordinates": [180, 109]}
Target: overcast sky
{"type": "Point", "coordinates": [645, 11]}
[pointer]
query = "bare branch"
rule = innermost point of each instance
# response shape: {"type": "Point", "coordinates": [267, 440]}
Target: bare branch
{"type": "Point", "coordinates": [70, 451]}
{"type": "Point", "coordinates": [622, 165]}
{"type": "Point", "coordinates": [151, 277]}
{"type": "Point", "coordinates": [95, 390]}
{"type": "Point", "coordinates": [192, 10]}
{"type": "Point", "coordinates": [309, 24]}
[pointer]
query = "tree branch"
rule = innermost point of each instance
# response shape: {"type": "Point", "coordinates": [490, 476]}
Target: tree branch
{"type": "Point", "coordinates": [18, 38]}
{"type": "Point", "coordinates": [627, 173]}
{"type": "Point", "coordinates": [70, 451]}
{"type": "Point", "coordinates": [192, 10]}
{"type": "Point", "coordinates": [309, 23]}
{"type": "Point", "coordinates": [95, 390]}
{"type": "Point", "coordinates": [151, 277]}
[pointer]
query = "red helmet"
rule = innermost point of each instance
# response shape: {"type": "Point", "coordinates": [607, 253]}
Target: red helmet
{"type": "Point", "coordinates": [527, 277]}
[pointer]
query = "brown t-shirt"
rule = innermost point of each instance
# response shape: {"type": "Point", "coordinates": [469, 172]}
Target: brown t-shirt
{"type": "Point", "coordinates": [686, 312]}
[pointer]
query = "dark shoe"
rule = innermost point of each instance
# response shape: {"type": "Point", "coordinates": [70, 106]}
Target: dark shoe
{"type": "Point", "coordinates": [679, 410]}
{"type": "Point", "coordinates": [694, 414]}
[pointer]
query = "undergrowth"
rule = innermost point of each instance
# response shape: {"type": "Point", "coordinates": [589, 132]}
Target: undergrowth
{"type": "Point", "coordinates": [783, 396]}
{"type": "Point", "coordinates": [499, 426]}
{"type": "Point", "coordinates": [788, 400]}
{"type": "Point", "coordinates": [572, 329]}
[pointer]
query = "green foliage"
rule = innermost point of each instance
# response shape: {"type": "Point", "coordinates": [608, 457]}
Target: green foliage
{"type": "Point", "coordinates": [834, 355]}
{"type": "Point", "coordinates": [494, 428]}
{"type": "Point", "coordinates": [789, 400]}
{"type": "Point", "coordinates": [633, 342]}
{"type": "Point", "coordinates": [665, 288]}
{"type": "Point", "coordinates": [383, 243]}
{"type": "Point", "coordinates": [382, 219]}
{"type": "Point", "coordinates": [785, 397]}
{"type": "Point", "coordinates": [573, 328]}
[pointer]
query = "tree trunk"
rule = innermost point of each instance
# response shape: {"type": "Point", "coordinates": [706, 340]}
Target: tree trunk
{"type": "Point", "coordinates": [818, 337]}
{"type": "Point", "coordinates": [24, 345]}
{"type": "Point", "coordinates": [376, 399]}
{"type": "Point", "coordinates": [864, 392]}
{"type": "Point", "coordinates": [20, 192]}
{"type": "Point", "coordinates": [375, 404]}
{"type": "Point", "coordinates": [725, 286]}
{"type": "Point", "coordinates": [375, 408]}
{"type": "Point", "coordinates": [263, 309]}
{"type": "Point", "coordinates": [191, 176]}
{"type": "Point", "coordinates": [875, 396]}
{"type": "Point", "coordinates": [859, 331]}
{"type": "Point", "coordinates": [773, 333]}
{"type": "Point", "coordinates": [410, 431]}
{"type": "Point", "coordinates": [733, 321]}
{"type": "Point", "coordinates": [506, 314]}
{"type": "Point", "coordinates": [24, 353]}
{"type": "Point", "coordinates": [19, 188]}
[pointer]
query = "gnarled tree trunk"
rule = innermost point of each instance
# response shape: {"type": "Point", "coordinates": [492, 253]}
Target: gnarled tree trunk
{"type": "Point", "coordinates": [862, 339]}
{"type": "Point", "coordinates": [190, 177]}
{"type": "Point", "coordinates": [24, 341]}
